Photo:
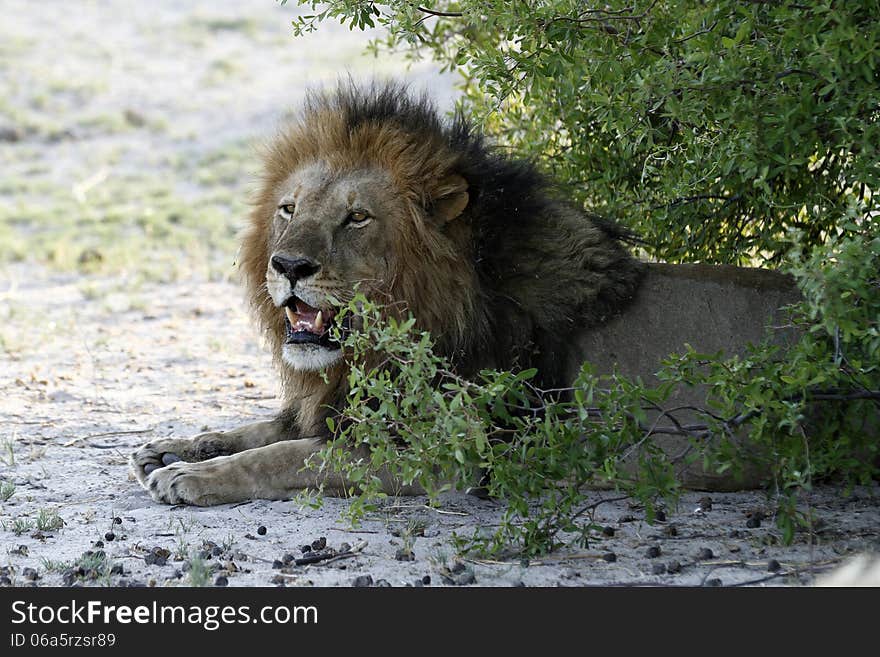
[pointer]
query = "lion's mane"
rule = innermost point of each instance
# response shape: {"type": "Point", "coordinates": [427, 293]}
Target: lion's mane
{"type": "Point", "coordinates": [506, 285]}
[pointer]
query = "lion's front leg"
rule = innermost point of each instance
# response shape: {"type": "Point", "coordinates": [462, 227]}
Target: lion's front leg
{"type": "Point", "coordinates": [164, 452]}
{"type": "Point", "coordinates": [270, 472]}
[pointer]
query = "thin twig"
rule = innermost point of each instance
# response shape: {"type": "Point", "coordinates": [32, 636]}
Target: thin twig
{"type": "Point", "coordinates": [106, 433]}
{"type": "Point", "coordinates": [442, 14]}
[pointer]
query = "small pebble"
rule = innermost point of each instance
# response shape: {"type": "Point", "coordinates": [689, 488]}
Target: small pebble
{"type": "Point", "coordinates": [153, 559]}
{"type": "Point", "coordinates": [305, 548]}
{"type": "Point", "coordinates": [658, 569]}
{"type": "Point", "coordinates": [713, 582]}
{"type": "Point", "coordinates": [705, 554]}
{"type": "Point", "coordinates": [457, 567]}
{"type": "Point", "coordinates": [660, 515]}
{"type": "Point", "coordinates": [5, 581]}
{"type": "Point", "coordinates": [221, 581]}
{"type": "Point", "coordinates": [426, 580]}
{"type": "Point", "coordinates": [277, 565]}
{"type": "Point", "coordinates": [608, 531]}
{"type": "Point", "coordinates": [362, 580]}
{"type": "Point", "coordinates": [319, 544]}
{"type": "Point", "coordinates": [261, 530]}
{"type": "Point", "coordinates": [117, 569]}
{"type": "Point", "coordinates": [773, 566]}
{"type": "Point", "coordinates": [670, 530]}
{"type": "Point", "coordinates": [30, 574]}
{"type": "Point", "coordinates": [98, 544]}
{"type": "Point", "coordinates": [383, 583]}
{"type": "Point", "coordinates": [610, 557]}
{"type": "Point", "coordinates": [217, 551]}
{"type": "Point", "coordinates": [287, 559]}
{"type": "Point", "coordinates": [753, 522]}
{"type": "Point", "coordinates": [653, 552]}
{"type": "Point", "coordinates": [109, 536]}
{"type": "Point", "coordinates": [344, 547]}
{"type": "Point", "coordinates": [705, 503]}
{"type": "Point", "coordinates": [117, 520]}
{"type": "Point", "coordinates": [673, 567]}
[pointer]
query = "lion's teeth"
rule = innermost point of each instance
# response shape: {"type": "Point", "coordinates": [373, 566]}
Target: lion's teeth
{"type": "Point", "coordinates": [319, 320]}
{"type": "Point", "coordinates": [291, 316]}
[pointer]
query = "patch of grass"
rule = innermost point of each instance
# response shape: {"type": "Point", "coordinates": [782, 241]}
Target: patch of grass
{"type": "Point", "coordinates": [103, 124]}
{"type": "Point", "coordinates": [7, 451]}
{"type": "Point", "coordinates": [7, 490]}
{"type": "Point", "coordinates": [229, 543]}
{"type": "Point", "coordinates": [92, 565]}
{"type": "Point", "coordinates": [181, 552]}
{"type": "Point", "coordinates": [199, 572]}
{"type": "Point", "coordinates": [92, 560]}
{"type": "Point", "coordinates": [48, 520]}
{"type": "Point", "coordinates": [179, 219]}
{"type": "Point", "coordinates": [19, 526]}
{"type": "Point", "coordinates": [49, 565]}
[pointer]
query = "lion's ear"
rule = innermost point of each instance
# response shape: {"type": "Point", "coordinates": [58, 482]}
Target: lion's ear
{"type": "Point", "coordinates": [450, 198]}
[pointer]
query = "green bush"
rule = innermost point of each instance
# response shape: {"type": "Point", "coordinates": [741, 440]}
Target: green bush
{"type": "Point", "coordinates": [537, 452]}
{"type": "Point", "coordinates": [712, 128]}
{"type": "Point", "coordinates": [720, 131]}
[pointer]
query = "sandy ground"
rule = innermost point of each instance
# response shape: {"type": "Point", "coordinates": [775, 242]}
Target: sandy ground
{"type": "Point", "coordinates": [111, 377]}
{"type": "Point", "coordinates": [94, 364]}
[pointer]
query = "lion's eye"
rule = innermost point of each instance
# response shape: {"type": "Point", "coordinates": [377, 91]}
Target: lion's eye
{"type": "Point", "coordinates": [358, 218]}
{"type": "Point", "coordinates": [287, 210]}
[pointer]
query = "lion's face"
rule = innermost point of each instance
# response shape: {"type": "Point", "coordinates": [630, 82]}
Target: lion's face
{"type": "Point", "coordinates": [331, 231]}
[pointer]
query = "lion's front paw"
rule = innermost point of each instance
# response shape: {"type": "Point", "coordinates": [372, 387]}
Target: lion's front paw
{"type": "Point", "coordinates": [157, 454]}
{"type": "Point", "coordinates": [185, 483]}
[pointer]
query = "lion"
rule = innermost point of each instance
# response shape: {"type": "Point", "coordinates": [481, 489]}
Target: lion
{"type": "Point", "coordinates": [370, 189]}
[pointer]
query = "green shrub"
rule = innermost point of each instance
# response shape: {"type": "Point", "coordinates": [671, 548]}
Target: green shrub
{"type": "Point", "coordinates": [712, 128]}
{"type": "Point", "coordinates": [538, 452]}
{"type": "Point", "coordinates": [720, 131]}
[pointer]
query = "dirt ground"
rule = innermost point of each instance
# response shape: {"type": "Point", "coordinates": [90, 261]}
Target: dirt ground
{"type": "Point", "coordinates": [101, 353]}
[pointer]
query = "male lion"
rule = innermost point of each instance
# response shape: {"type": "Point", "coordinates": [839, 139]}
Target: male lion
{"type": "Point", "coordinates": [370, 188]}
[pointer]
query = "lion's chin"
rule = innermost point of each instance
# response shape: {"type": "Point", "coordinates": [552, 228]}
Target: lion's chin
{"type": "Point", "coordinates": [309, 357]}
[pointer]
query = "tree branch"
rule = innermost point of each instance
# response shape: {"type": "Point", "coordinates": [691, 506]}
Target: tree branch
{"type": "Point", "coordinates": [443, 14]}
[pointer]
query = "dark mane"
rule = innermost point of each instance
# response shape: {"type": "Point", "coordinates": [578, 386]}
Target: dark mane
{"type": "Point", "coordinates": [545, 268]}
{"type": "Point", "coordinates": [507, 283]}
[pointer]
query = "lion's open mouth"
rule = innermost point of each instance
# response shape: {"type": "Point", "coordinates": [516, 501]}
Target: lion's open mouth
{"type": "Point", "coordinates": [309, 325]}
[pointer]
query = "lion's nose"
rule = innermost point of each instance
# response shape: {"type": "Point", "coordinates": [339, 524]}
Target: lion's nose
{"type": "Point", "coordinates": [294, 269]}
